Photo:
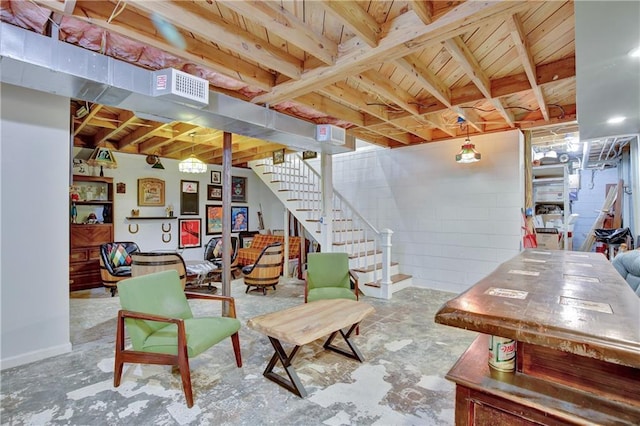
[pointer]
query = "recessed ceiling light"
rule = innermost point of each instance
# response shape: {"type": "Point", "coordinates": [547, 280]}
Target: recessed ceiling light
{"type": "Point", "coordinates": [616, 120]}
{"type": "Point", "coordinates": [635, 53]}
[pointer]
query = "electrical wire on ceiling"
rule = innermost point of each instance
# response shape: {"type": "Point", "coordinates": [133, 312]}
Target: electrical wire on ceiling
{"type": "Point", "coordinates": [117, 10]}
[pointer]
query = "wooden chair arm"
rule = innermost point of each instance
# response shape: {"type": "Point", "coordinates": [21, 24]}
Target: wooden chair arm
{"type": "Point", "coordinates": [149, 317]}
{"type": "Point", "coordinates": [228, 299]}
{"type": "Point", "coordinates": [181, 357]}
{"type": "Point", "coordinates": [354, 279]}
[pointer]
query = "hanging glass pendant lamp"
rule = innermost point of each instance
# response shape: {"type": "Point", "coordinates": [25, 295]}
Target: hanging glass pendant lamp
{"type": "Point", "coordinates": [468, 153]}
{"type": "Point", "coordinates": [192, 164]}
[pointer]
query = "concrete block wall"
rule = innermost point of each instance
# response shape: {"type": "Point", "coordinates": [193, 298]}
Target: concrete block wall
{"type": "Point", "coordinates": [453, 223]}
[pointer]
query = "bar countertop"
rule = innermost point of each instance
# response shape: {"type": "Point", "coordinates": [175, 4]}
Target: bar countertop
{"type": "Point", "coordinates": [574, 302]}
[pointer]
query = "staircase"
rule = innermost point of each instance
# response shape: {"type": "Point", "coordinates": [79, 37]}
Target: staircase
{"type": "Point", "coordinates": [298, 187]}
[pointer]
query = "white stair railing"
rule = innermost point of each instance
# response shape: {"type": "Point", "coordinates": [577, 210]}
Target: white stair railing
{"type": "Point", "coordinates": [300, 184]}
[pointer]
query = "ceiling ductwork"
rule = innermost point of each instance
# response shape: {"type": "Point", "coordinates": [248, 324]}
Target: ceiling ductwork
{"type": "Point", "coordinates": [46, 64]}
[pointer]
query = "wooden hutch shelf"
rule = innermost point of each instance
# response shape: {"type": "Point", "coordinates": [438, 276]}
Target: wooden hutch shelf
{"type": "Point", "coordinates": [95, 197]}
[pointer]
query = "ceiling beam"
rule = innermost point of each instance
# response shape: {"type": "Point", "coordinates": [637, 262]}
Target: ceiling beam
{"type": "Point", "coordinates": [125, 118]}
{"type": "Point", "coordinates": [524, 53]}
{"type": "Point", "coordinates": [280, 21]}
{"type": "Point", "coordinates": [375, 83]}
{"type": "Point", "coordinates": [326, 105]}
{"type": "Point", "coordinates": [469, 64]}
{"type": "Point", "coordinates": [179, 130]}
{"type": "Point", "coordinates": [404, 35]}
{"type": "Point", "coordinates": [211, 27]}
{"type": "Point", "coordinates": [96, 13]}
{"type": "Point", "coordinates": [422, 8]}
{"type": "Point", "coordinates": [142, 133]}
{"type": "Point", "coordinates": [425, 78]}
{"type": "Point", "coordinates": [93, 110]}
{"type": "Point", "coordinates": [356, 99]}
{"type": "Point", "coordinates": [355, 18]}
{"type": "Point", "coordinates": [438, 122]}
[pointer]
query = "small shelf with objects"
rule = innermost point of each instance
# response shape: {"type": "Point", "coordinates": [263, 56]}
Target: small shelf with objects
{"type": "Point", "coordinates": [91, 209]}
{"type": "Point", "coordinates": [151, 217]}
{"type": "Point", "coordinates": [167, 219]}
{"type": "Point", "coordinates": [552, 206]}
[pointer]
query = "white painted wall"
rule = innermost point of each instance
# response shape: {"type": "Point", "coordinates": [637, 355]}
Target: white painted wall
{"type": "Point", "coordinates": [131, 167]}
{"type": "Point", "coordinates": [453, 223]}
{"type": "Point", "coordinates": [34, 217]}
{"type": "Point", "coordinates": [34, 230]}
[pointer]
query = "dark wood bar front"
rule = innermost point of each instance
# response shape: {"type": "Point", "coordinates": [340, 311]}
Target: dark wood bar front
{"type": "Point", "coordinates": [577, 327]}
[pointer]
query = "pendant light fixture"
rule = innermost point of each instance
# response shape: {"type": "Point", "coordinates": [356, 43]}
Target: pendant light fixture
{"type": "Point", "coordinates": [468, 153]}
{"type": "Point", "coordinates": [192, 164]}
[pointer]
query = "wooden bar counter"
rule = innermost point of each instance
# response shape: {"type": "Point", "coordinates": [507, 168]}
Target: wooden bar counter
{"type": "Point", "coordinates": [577, 327]}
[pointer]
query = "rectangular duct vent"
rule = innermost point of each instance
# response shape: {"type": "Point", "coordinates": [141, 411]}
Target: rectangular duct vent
{"type": "Point", "coordinates": [181, 87]}
{"type": "Point", "coordinates": [331, 134]}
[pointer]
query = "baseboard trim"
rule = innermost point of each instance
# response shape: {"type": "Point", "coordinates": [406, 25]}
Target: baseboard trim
{"type": "Point", "coordinates": [34, 356]}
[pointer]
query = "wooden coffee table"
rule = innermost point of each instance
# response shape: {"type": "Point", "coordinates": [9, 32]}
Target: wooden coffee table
{"type": "Point", "coordinates": [303, 324]}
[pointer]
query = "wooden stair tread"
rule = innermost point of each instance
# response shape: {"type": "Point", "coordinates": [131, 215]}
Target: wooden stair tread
{"type": "Point", "coordinates": [295, 183]}
{"type": "Point", "coordinates": [300, 190]}
{"type": "Point", "coordinates": [364, 253]}
{"type": "Point", "coordinates": [342, 243]}
{"type": "Point", "coordinates": [394, 279]}
{"type": "Point", "coordinates": [371, 268]}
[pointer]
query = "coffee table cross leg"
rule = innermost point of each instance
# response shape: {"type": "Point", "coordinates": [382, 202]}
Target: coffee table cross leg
{"type": "Point", "coordinates": [354, 354]}
{"type": "Point", "coordinates": [293, 384]}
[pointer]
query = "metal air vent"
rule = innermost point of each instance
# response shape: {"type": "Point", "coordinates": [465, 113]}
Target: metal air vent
{"type": "Point", "coordinates": [181, 87]}
{"type": "Point", "coordinates": [332, 134]}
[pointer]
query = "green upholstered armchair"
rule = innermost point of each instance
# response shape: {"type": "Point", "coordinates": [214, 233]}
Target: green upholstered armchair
{"type": "Point", "coordinates": [162, 329]}
{"type": "Point", "coordinates": [329, 277]}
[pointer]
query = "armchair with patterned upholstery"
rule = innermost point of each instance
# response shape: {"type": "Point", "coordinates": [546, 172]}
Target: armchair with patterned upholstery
{"type": "Point", "coordinates": [115, 262]}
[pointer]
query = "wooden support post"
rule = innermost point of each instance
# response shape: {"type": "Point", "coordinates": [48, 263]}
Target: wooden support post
{"type": "Point", "coordinates": [226, 213]}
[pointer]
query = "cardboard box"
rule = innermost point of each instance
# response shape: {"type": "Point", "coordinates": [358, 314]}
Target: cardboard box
{"type": "Point", "coordinates": [548, 238]}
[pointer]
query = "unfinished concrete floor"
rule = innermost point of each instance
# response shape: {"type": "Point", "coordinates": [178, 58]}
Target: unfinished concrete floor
{"type": "Point", "coordinates": [401, 381]}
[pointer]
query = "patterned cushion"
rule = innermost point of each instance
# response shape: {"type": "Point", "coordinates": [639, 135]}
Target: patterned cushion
{"type": "Point", "coordinates": [119, 256]}
{"type": "Point", "coordinates": [248, 256]}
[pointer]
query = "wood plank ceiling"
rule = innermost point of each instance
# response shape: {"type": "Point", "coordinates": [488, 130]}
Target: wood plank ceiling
{"type": "Point", "coordinates": [394, 73]}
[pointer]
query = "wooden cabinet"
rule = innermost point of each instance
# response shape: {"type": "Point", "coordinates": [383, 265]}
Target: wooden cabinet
{"type": "Point", "coordinates": [93, 226]}
{"type": "Point", "coordinates": [575, 321]}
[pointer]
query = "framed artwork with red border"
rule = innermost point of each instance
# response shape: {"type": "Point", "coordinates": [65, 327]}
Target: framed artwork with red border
{"type": "Point", "coordinates": [190, 233]}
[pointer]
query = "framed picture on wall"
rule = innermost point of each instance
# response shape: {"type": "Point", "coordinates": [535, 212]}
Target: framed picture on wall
{"type": "Point", "coordinates": [214, 192]}
{"type": "Point", "coordinates": [278, 156]}
{"type": "Point", "coordinates": [189, 199]}
{"type": "Point", "coordinates": [308, 155]}
{"type": "Point", "coordinates": [214, 219]}
{"type": "Point", "coordinates": [150, 192]}
{"type": "Point", "coordinates": [238, 189]}
{"type": "Point", "coordinates": [216, 177]}
{"type": "Point", "coordinates": [239, 219]}
{"type": "Point", "coordinates": [190, 233]}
